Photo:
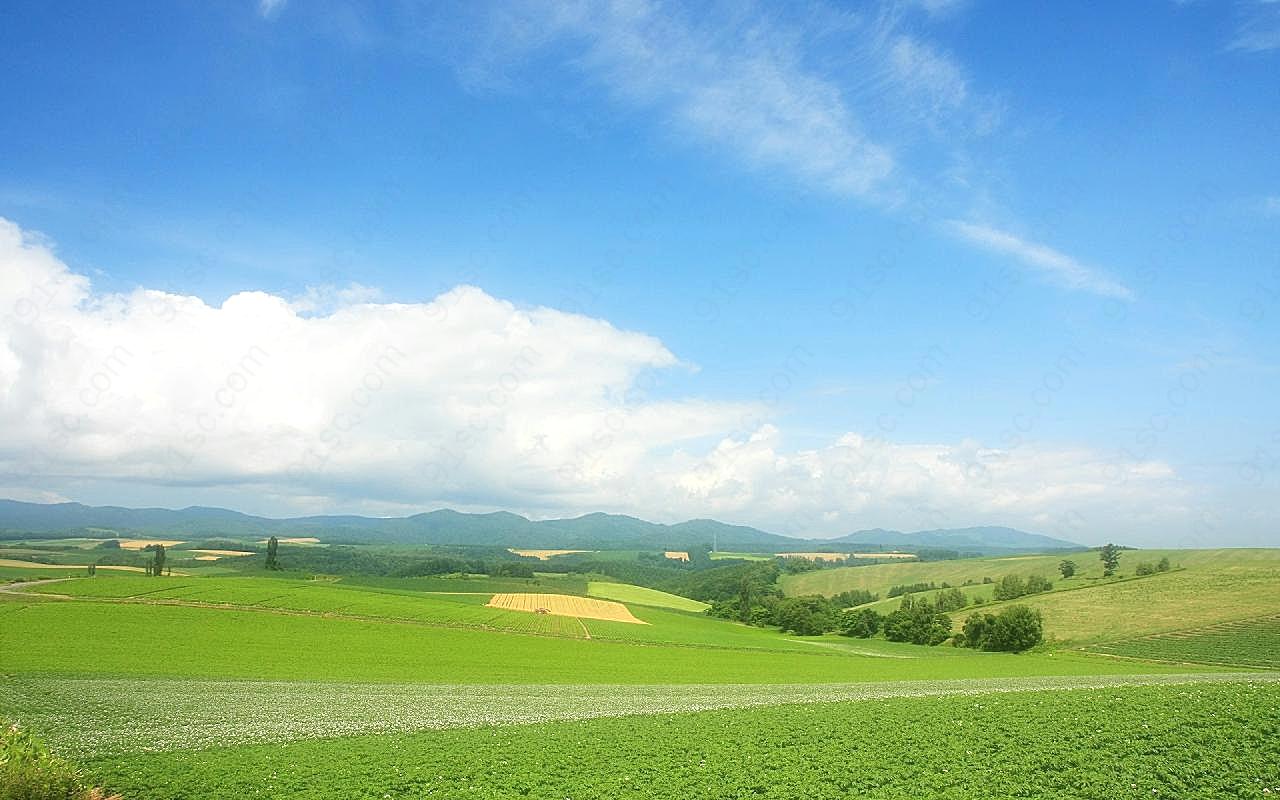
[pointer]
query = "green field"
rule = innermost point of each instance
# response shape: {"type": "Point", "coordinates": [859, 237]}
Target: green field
{"type": "Point", "coordinates": [626, 593]}
{"type": "Point", "coordinates": [1253, 642]}
{"type": "Point", "coordinates": [1027, 744]}
{"type": "Point", "coordinates": [281, 685]}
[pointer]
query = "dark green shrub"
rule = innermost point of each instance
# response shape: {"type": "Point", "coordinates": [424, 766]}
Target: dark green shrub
{"type": "Point", "coordinates": [29, 772]}
{"type": "Point", "coordinates": [863, 623]}
{"type": "Point", "coordinates": [917, 622]}
{"type": "Point", "coordinates": [1015, 629]}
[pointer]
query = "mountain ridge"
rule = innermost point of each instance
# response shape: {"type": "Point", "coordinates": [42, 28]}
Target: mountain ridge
{"type": "Point", "coordinates": [596, 530]}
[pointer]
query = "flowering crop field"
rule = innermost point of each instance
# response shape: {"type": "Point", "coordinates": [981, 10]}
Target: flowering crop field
{"type": "Point", "coordinates": [1171, 741]}
{"type": "Point", "coordinates": [1251, 642]}
{"type": "Point", "coordinates": [96, 717]}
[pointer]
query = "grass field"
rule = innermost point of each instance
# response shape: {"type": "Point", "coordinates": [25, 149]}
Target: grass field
{"type": "Point", "coordinates": [141, 639]}
{"type": "Point", "coordinates": [1253, 642]}
{"type": "Point", "coordinates": [626, 593]}
{"type": "Point", "coordinates": [287, 686]}
{"type": "Point", "coordinates": [1022, 744]}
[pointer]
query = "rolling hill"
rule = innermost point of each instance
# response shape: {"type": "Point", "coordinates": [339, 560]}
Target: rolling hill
{"type": "Point", "coordinates": [597, 531]}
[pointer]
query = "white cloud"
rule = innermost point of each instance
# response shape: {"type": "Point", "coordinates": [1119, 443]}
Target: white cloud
{"type": "Point", "coordinates": [1055, 266]}
{"type": "Point", "coordinates": [465, 400]}
{"type": "Point", "coordinates": [1270, 206]}
{"type": "Point", "coordinates": [269, 8]}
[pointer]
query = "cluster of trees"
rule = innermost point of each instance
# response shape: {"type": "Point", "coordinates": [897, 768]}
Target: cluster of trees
{"type": "Point", "coordinates": [911, 588]}
{"type": "Point", "coordinates": [1147, 568]}
{"type": "Point", "coordinates": [917, 621]}
{"type": "Point", "coordinates": [854, 597]}
{"type": "Point", "coordinates": [1011, 587]}
{"type": "Point", "coordinates": [1013, 630]}
{"type": "Point", "coordinates": [156, 565]}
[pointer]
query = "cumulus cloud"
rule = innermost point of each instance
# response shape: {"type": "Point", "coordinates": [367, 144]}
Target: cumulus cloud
{"type": "Point", "coordinates": [463, 400]}
{"type": "Point", "coordinates": [1055, 266]}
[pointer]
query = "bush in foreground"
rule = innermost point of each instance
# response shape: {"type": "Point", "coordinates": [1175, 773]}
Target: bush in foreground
{"type": "Point", "coordinates": [29, 772]}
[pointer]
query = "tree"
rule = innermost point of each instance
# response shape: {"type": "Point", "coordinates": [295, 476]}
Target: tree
{"type": "Point", "coordinates": [157, 560]}
{"type": "Point", "coordinates": [273, 547]}
{"type": "Point", "coordinates": [1010, 587]}
{"type": "Point", "coordinates": [1037, 584]}
{"type": "Point", "coordinates": [1067, 568]}
{"type": "Point", "coordinates": [811, 615]}
{"type": "Point", "coordinates": [863, 623]}
{"type": "Point", "coordinates": [1163, 566]}
{"type": "Point", "coordinates": [1013, 630]}
{"type": "Point", "coordinates": [1110, 555]}
{"type": "Point", "coordinates": [1144, 568]}
{"type": "Point", "coordinates": [918, 622]}
{"type": "Point", "coordinates": [1016, 629]}
{"type": "Point", "coordinates": [977, 629]}
{"type": "Point", "coordinates": [93, 569]}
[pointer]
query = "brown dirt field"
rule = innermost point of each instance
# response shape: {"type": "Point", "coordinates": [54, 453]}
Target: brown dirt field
{"type": "Point", "coordinates": [677, 555]}
{"type": "Point", "coordinates": [544, 555]}
{"type": "Point", "coordinates": [565, 605]}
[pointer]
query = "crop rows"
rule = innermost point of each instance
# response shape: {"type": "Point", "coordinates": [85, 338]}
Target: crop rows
{"type": "Point", "coordinates": [1254, 643]}
{"type": "Point", "coordinates": [1186, 742]}
{"type": "Point", "coordinates": [88, 717]}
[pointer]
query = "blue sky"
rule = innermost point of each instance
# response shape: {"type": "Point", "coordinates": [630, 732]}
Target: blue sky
{"type": "Point", "coordinates": [1025, 256]}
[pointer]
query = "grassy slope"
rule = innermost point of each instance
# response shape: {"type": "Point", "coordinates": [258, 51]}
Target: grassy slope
{"type": "Point", "coordinates": [140, 640]}
{"type": "Point", "coordinates": [1212, 586]}
{"type": "Point", "coordinates": [458, 610]}
{"type": "Point", "coordinates": [626, 593]}
{"type": "Point", "coordinates": [1254, 642]}
{"type": "Point", "coordinates": [1157, 742]}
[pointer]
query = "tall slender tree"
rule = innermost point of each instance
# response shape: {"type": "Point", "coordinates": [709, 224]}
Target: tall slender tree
{"type": "Point", "coordinates": [273, 548]}
{"type": "Point", "coordinates": [1110, 555]}
{"type": "Point", "coordinates": [157, 560]}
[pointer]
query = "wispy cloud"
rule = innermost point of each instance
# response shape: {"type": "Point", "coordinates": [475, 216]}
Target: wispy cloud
{"type": "Point", "coordinates": [1270, 206]}
{"type": "Point", "coordinates": [741, 87]}
{"type": "Point", "coordinates": [1055, 266]}
{"type": "Point", "coordinates": [1258, 29]}
{"type": "Point", "coordinates": [267, 9]}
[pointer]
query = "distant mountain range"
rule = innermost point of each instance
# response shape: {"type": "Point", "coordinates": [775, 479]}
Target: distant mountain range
{"type": "Point", "coordinates": [500, 528]}
{"type": "Point", "coordinates": [962, 539]}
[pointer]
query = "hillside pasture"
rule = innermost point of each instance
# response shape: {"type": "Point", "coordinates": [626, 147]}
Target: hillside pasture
{"type": "Point", "coordinates": [140, 639]}
{"type": "Point", "coordinates": [627, 593]}
{"type": "Point", "coordinates": [1244, 643]}
{"type": "Point", "coordinates": [1214, 586]}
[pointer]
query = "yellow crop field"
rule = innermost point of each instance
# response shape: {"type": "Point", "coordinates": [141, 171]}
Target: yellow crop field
{"type": "Point", "coordinates": [816, 556]}
{"type": "Point", "coordinates": [564, 605]}
{"type": "Point", "coordinates": [9, 562]}
{"type": "Point", "coordinates": [677, 555]}
{"type": "Point", "coordinates": [138, 544]}
{"type": "Point", "coordinates": [222, 553]}
{"type": "Point", "coordinates": [544, 555]}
